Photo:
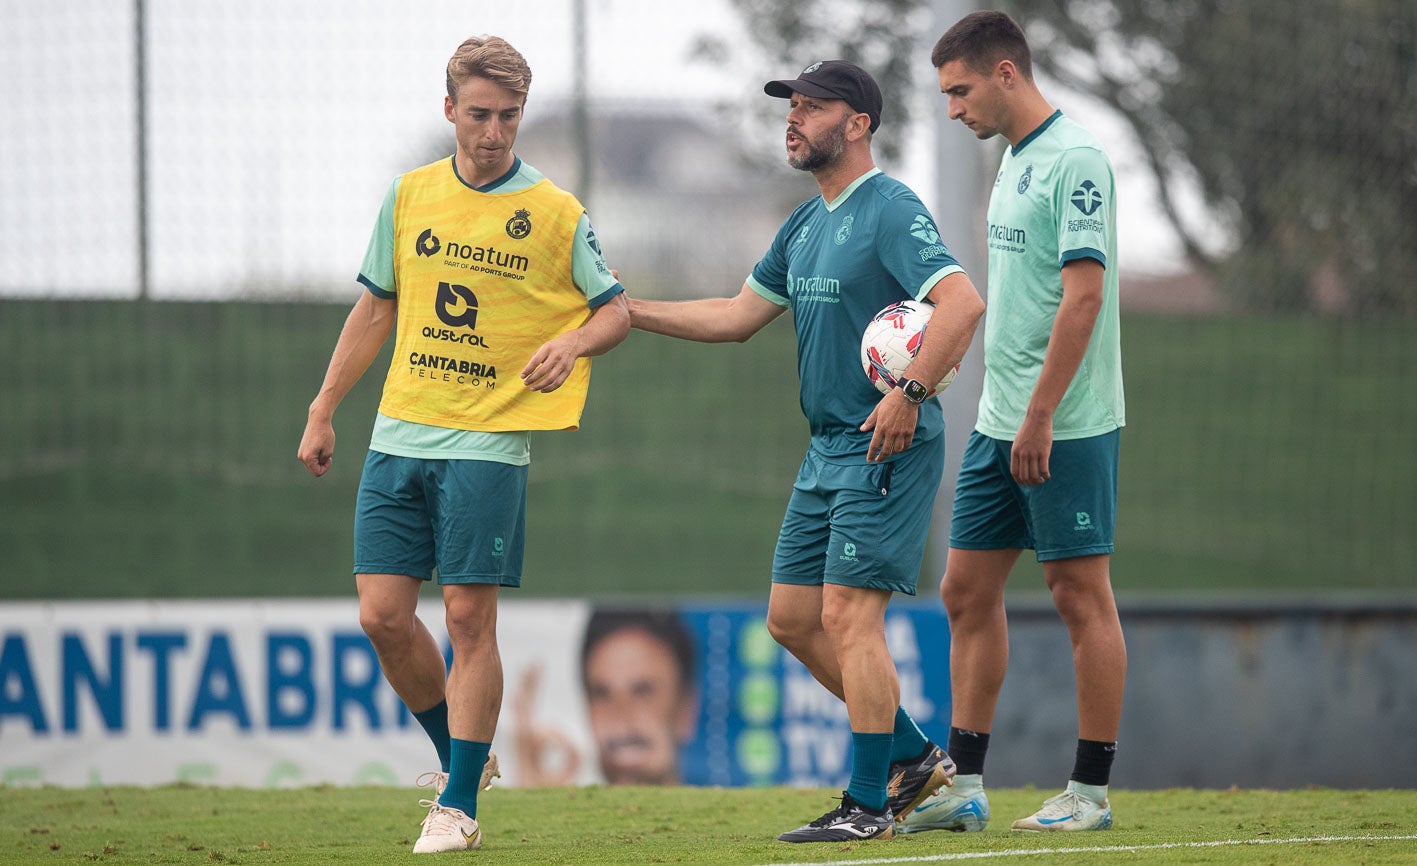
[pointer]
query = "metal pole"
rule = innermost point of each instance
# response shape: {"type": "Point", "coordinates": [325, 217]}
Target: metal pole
{"type": "Point", "coordinates": [962, 184]}
{"type": "Point", "coordinates": [582, 107]}
{"type": "Point", "coordinates": [140, 83]}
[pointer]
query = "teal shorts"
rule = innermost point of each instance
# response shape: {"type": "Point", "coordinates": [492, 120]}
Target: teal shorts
{"type": "Point", "coordinates": [1073, 513]}
{"type": "Point", "coordinates": [466, 518]}
{"type": "Point", "coordinates": [860, 524]}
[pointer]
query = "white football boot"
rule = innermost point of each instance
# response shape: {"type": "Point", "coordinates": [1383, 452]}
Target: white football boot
{"type": "Point", "coordinates": [1074, 809]}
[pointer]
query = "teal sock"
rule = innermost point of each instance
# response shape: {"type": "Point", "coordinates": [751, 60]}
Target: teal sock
{"type": "Point", "coordinates": [464, 776]}
{"type": "Point", "coordinates": [910, 741]}
{"type": "Point", "coordinates": [435, 722]}
{"type": "Point", "coordinates": [870, 767]}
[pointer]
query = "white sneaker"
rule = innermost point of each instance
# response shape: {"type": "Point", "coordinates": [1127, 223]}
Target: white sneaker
{"type": "Point", "coordinates": [1070, 810]}
{"type": "Point", "coordinates": [961, 809]}
{"type": "Point", "coordinates": [435, 779]}
{"type": "Point", "coordinates": [438, 780]}
{"type": "Point", "coordinates": [447, 830]}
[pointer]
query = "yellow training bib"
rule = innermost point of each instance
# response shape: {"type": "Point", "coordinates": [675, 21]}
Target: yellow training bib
{"type": "Point", "coordinates": [482, 280]}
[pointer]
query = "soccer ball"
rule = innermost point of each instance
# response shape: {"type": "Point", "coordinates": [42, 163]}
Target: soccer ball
{"type": "Point", "coordinates": [890, 342]}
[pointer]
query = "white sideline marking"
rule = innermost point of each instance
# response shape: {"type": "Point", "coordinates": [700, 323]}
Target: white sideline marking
{"type": "Point", "coordinates": [1107, 849]}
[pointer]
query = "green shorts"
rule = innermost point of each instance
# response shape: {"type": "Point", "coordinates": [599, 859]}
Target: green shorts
{"type": "Point", "coordinates": [1073, 513]}
{"type": "Point", "coordinates": [466, 518]}
{"type": "Point", "coordinates": [860, 524]}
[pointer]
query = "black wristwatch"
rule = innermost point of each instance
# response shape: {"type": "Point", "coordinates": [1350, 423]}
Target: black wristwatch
{"type": "Point", "coordinates": [914, 391]}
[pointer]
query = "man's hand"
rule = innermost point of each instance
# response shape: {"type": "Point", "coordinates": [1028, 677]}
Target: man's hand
{"type": "Point", "coordinates": [551, 364]}
{"type": "Point", "coordinates": [1028, 460]}
{"type": "Point", "coordinates": [893, 422]}
{"type": "Point", "coordinates": [317, 446]}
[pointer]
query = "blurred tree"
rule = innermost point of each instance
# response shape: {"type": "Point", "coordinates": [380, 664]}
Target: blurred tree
{"type": "Point", "coordinates": [885, 37]}
{"type": "Point", "coordinates": [1297, 121]}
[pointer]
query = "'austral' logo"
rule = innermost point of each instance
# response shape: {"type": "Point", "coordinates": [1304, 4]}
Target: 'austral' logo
{"type": "Point", "coordinates": [428, 244]}
{"type": "Point", "coordinates": [1087, 198]}
{"type": "Point", "coordinates": [456, 306]}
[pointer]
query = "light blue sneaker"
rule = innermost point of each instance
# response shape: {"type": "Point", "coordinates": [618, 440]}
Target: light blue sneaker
{"type": "Point", "coordinates": [1070, 810]}
{"type": "Point", "coordinates": [961, 809]}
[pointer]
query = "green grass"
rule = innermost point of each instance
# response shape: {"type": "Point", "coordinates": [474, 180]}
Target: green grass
{"type": "Point", "coordinates": [597, 825]}
{"type": "Point", "coordinates": [148, 450]}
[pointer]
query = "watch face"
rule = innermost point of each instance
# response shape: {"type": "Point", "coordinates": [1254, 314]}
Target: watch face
{"type": "Point", "coordinates": [914, 391]}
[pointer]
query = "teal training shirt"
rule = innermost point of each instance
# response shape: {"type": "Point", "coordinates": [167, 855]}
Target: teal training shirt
{"type": "Point", "coordinates": [410, 439]}
{"type": "Point", "coordinates": [836, 265]}
{"type": "Point", "coordinates": [1054, 202]}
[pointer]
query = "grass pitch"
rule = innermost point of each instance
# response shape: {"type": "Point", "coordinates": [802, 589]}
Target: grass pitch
{"type": "Point", "coordinates": [595, 825]}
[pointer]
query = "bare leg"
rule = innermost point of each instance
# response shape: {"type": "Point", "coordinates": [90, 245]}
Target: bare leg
{"type": "Point", "coordinates": [475, 681]}
{"type": "Point", "coordinates": [973, 592]}
{"type": "Point", "coordinates": [1082, 592]}
{"type": "Point", "coordinates": [795, 622]}
{"type": "Point", "coordinates": [855, 622]}
{"type": "Point", "coordinates": [407, 653]}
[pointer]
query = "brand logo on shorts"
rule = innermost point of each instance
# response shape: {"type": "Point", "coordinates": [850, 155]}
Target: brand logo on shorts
{"type": "Point", "coordinates": [848, 552]}
{"type": "Point", "coordinates": [1084, 521]}
{"type": "Point", "coordinates": [497, 546]}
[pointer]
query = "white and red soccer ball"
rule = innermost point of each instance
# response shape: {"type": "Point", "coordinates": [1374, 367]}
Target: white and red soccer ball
{"type": "Point", "coordinates": [890, 342]}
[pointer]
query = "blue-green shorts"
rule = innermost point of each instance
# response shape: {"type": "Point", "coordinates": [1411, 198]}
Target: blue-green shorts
{"type": "Point", "coordinates": [1073, 513]}
{"type": "Point", "coordinates": [860, 524]}
{"type": "Point", "coordinates": [466, 518]}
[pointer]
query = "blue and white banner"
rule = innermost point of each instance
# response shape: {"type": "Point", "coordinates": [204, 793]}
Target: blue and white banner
{"type": "Point", "coordinates": [272, 693]}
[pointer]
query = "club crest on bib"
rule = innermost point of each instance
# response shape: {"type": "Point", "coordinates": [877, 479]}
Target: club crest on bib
{"type": "Point", "coordinates": [519, 226]}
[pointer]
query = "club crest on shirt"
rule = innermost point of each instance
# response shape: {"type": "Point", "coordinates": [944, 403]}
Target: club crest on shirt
{"type": "Point", "coordinates": [844, 231]}
{"type": "Point", "coordinates": [1026, 179]}
{"type": "Point", "coordinates": [519, 226]}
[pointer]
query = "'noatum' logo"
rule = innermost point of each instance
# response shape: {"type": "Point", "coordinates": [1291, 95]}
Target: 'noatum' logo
{"type": "Point", "coordinates": [428, 244]}
{"type": "Point", "coordinates": [456, 306]}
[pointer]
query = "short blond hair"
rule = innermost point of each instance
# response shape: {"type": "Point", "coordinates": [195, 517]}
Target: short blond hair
{"type": "Point", "coordinates": [490, 57]}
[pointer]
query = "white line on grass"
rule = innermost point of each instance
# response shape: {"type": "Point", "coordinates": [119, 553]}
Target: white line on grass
{"type": "Point", "coordinates": [1107, 849]}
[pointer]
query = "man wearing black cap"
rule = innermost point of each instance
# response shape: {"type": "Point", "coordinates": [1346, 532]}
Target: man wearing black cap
{"type": "Point", "coordinates": [860, 510]}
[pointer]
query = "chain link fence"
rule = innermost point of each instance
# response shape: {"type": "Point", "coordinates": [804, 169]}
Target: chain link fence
{"type": "Point", "coordinates": [180, 229]}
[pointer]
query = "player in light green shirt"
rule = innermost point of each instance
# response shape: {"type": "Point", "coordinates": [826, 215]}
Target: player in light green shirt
{"type": "Point", "coordinates": [1040, 470]}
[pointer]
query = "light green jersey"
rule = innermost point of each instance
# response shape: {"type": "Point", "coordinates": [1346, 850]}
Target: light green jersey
{"type": "Point", "coordinates": [1053, 202]}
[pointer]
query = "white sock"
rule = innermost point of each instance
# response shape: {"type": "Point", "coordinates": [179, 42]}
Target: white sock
{"type": "Point", "coordinates": [1095, 793]}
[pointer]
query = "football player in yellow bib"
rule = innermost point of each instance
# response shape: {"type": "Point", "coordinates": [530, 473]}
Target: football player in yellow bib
{"type": "Point", "coordinates": [492, 280]}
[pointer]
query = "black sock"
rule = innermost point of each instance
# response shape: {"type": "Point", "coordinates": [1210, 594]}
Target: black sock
{"type": "Point", "coordinates": [1093, 764]}
{"type": "Point", "coordinates": [966, 749]}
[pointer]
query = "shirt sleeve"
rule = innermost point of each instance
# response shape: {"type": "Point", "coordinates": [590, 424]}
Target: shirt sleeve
{"type": "Point", "coordinates": [377, 272]}
{"type": "Point", "coordinates": [589, 271]}
{"type": "Point", "coordinates": [769, 276]}
{"type": "Point", "coordinates": [911, 248]}
{"type": "Point", "coordinates": [1083, 201]}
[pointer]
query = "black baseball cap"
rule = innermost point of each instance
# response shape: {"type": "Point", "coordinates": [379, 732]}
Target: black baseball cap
{"type": "Point", "coordinates": [834, 79]}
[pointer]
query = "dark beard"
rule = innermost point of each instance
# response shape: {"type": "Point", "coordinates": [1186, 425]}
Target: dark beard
{"type": "Point", "coordinates": [823, 153]}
